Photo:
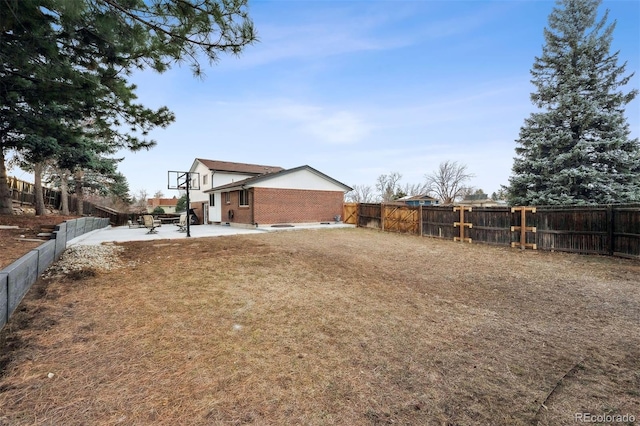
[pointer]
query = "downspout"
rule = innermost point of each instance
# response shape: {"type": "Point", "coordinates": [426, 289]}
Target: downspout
{"type": "Point", "coordinates": [251, 206]}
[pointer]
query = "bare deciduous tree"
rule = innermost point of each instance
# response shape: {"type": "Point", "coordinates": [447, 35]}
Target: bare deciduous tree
{"type": "Point", "coordinates": [414, 189]}
{"type": "Point", "coordinates": [447, 182]}
{"type": "Point", "coordinates": [140, 201]}
{"type": "Point", "coordinates": [360, 194]}
{"type": "Point", "coordinates": [388, 186]}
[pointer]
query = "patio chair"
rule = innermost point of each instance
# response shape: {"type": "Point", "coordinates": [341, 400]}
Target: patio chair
{"type": "Point", "coordinates": [182, 224]}
{"type": "Point", "coordinates": [150, 224]}
{"type": "Point", "coordinates": [134, 224]}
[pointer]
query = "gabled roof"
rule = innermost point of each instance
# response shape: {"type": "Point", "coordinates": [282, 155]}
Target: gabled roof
{"type": "Point", "coordinates": [227, 166]}
{"type": "Point", "coordinates": [257, 179]}
{"type": "Point", "coordinates": [416, 197]}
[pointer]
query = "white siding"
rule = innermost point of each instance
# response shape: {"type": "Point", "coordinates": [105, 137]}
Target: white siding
{"type": "Point", "coordinates": [197, 195]}
{"type": "Point", "coordinates": [301, 179]}
{"type": "Point", "coordinates": [223, 178]}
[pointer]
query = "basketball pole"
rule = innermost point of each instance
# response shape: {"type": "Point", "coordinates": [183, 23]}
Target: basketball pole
{"type": "Point", "coordinates": [186, 184]}
{"type": "Point", "coordinates": [188, 206]}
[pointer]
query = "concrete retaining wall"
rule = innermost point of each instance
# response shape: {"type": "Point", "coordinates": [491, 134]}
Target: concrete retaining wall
{"type": "Point", "coordinates": [4, 299]}
{"type": "Point", "coordinates": [17, 278]}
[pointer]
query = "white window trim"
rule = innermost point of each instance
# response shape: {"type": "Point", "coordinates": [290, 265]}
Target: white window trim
{"type": "Point", "coordinates": [240, 197]}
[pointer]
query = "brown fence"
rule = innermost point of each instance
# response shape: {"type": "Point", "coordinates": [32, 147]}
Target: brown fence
{"type": "Point", "coordinates": [369, 216]}
{"type": "Point", "coordinates": [24, 194]}
{"type": "Point", "coordinates": [607, 230]}
{"type": "Point", "coordinates": [116, 218]}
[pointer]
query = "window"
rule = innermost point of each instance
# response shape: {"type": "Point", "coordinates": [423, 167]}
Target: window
{"type": "Point", "coordinates": [212, 200]}
{"type": "Point", "coordinates": [204, 180]}
{"type": "Point", "coordinates": [244, 198]}
{"type": "Point", "coordinates": [227, 197]}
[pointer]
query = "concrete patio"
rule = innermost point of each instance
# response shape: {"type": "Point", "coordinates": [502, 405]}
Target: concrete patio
{"type": "Point", "coordinates": [170, 231]}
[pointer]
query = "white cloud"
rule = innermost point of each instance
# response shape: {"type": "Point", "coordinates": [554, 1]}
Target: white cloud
{"type": "Point", "coordinates": [325, 123]}
{"type": "Point", "coordinates": [356, 27]}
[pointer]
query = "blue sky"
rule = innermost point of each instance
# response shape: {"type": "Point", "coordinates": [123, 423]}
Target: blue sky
{"type": "Point", "coordinates": [356, 89]}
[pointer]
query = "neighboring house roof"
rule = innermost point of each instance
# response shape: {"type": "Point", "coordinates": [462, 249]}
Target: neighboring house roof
{"type": "Point", "coordinates": [227, 166]}
{"type": "Point", "coordinates": [486, 202]}
{"type": "Point", "coordinates": [416, 197]}
{"type": "Point", "coordinates": [254, 181]}
{"type": "Point", "coordinates": [162, 202]}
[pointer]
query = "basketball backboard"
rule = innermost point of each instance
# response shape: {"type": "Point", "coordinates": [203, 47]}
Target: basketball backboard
{"type": "Point", "coordinates": [180, 180]}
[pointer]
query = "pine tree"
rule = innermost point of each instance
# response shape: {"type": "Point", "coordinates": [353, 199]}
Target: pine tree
{"type": "Point", "coordinates": [64, 67]}
{"type": "Point", "coordinates": [576, 149]}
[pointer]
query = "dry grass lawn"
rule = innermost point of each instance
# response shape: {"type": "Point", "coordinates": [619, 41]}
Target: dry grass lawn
{"type": "Point", "coordinates": [324, 327]}
{"type": "Point", "coordinates": [15, 243]}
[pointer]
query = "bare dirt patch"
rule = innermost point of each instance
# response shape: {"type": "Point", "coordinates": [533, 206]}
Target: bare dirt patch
{"type": "Point", "coordinates": [15, 243]}
{"type": "Point", "coordinates": [344, 326]}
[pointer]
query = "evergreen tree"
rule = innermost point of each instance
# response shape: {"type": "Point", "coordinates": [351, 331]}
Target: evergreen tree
{"type": "Point", "coordinates": [181, 205]}
{"type": "Point", "coordinates": [65, 63]}
{"type": "Point", "coordinates": [576, 149]}
{"type": "Point", "coordinates": [119, 189]}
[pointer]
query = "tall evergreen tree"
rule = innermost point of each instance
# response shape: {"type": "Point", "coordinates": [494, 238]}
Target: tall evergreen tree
{"type": "Point", "coordinates": [65, 63]}
{"type": "Point", "coordinates": [577, 148]}
{"type": "Point", "coordinates": [119, 188]}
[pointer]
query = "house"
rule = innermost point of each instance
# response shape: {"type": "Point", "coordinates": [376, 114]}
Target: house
{"type": "Point", "coordinates": [213, 173]}
{"type": "Point", "coordinates": [298, 195]}
{"type": "Point", "coordinates": [167, 204]}
{"type": "Point", "coordinates": [419, 200]}
{"type": "Point", "coordinates": [479, 199]}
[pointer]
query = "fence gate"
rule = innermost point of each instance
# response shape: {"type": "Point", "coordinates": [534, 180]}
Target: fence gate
{"type": "Point", "coordinates": [400, 219]}
{"type": "Point", "coordinates": [350, 213]}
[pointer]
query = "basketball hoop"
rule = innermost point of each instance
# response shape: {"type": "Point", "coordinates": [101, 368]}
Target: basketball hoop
{"type": "Point", "coordinates": [184, 181]}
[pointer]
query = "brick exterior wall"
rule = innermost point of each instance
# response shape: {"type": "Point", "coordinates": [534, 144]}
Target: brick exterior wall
{"type": "Point", "coordinates": [271, 205]}
{"type": "Point", "coordinates": [240, 214]}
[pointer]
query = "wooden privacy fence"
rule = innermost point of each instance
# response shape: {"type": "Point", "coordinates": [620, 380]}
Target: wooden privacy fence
{"type": "Point", "coordinates": [24, 193]}
{"type": "Point", "coordinates": [612, 230]}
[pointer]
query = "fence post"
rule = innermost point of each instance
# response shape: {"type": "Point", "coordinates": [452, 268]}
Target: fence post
{"type": "Point", "coordinates": [462, 223]}
{"type": "Point", "coordinates": [382, 216]}
{"type": "Point", "coordinates": [420, 219]}
{"type": "Point", "coordinates": [523, 228]}
{"type": "Point", "coordinates": [611, 224]}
